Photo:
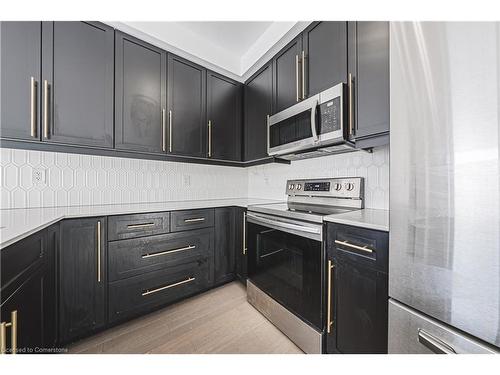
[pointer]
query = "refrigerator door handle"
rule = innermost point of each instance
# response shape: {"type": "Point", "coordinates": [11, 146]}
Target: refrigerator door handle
{"type": "Point", "coordinates": [434, 344]}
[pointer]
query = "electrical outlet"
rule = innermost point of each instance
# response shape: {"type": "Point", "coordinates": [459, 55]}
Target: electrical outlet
{"type": "Point", "coordinates": [39, 176]}
{"type": "Point", "coordinates": [186, 180]}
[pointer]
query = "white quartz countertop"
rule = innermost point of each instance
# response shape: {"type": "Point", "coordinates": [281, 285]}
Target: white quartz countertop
{"type": "Point", "coordinates": [16, 224]}
{"type": "Point", "coordinates": [366, 218]}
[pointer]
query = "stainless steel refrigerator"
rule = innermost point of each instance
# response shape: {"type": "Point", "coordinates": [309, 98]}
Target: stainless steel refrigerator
{"type": "Point", "coordinates": [444, 267]}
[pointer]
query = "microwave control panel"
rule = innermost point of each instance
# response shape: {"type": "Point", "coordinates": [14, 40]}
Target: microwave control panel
{"type": "Point", "coordinates": [329, 114]}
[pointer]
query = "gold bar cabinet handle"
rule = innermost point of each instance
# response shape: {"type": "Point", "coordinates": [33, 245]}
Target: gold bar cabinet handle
{"type": "Point", "coordinates": [329, 322]}
{"type": "Point", "coordinates": [148, 292]}
{"type": "Point", "coordinates": [303, 75]}
{"type": "Point", "coordinates": [99, 251]}
{"type": "Point", "coordinates": [151, 255]}
{"type": "Point", "coordinates": [209, 138]}
{"type": "Point", "coordinates": [46, 109]}
{"type": "Point", "coordinates": [3, 338]}
{"type": "Point", "coordinates": [13, 331]}
{"type": "Point", "coordinates": [351, 104]}
{"type": "Point", "coordinates": [244, 233]}
{"type": "Point", "coordinates": [297, 95]}
{"type": "Point", "coordinates": [33, 106]}
{"type": "Point", "coordinates": [163, 131]}
{"type": "Point", "coordinates": [195, 220]}
{"type": "Point", "coordinates": [347, 244]}
{"type": "Point", "coordinates": [169, 131]}
{"type": "Point", "coordinates": [144, 225]}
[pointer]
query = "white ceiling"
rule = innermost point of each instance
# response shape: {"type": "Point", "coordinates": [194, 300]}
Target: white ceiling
{"type": "Point", "coordinates": [234, 46]}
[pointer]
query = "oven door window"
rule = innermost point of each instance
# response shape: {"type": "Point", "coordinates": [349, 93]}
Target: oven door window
{"type": "Point", "coordinates": [292, 129]}
{"type": "Point", "coordinates": [288, 268]}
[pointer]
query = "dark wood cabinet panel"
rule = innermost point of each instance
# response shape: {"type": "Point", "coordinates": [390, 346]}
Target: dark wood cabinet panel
{"type": "Point", "coordinates": [191, 219]}
{"type": "Point", "coordinates": [78, 66]}
{"type": "Point", "coordinates": [121, 227]}
{"type": "Point", "coordinates": [225, 244]}
{"type": "Point", "coordinates": [82, 276]}
{"type": "Point", "coordinates": [20, 51]}
{"type": "Point", "coordinates": [368, 62]}
{"type": "Point", "coordinates": [187, 107]}
{"type": "Point", "coordinates": [224, 102]}
{"type": "Point", "coordinates": [325, 55]}
{"type": "Point", "coordinates": [241, 261]}
{"type": "Point", "coordinates": [258, 105]}
{"type": "Point", "coordinates": [140, 95]}
{"type": "Point", "coordinates": [28, 292]}
{"type": "Point", "coordinates": [286, 73]}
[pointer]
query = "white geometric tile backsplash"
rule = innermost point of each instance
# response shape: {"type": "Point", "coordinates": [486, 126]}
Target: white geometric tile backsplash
{"type": "Point", "coordinates": [73, 180]}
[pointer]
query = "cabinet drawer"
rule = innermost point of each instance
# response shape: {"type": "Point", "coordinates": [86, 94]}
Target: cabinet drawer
{"type": "Point", "coordinates": [140, 255]}
{"type": "Point", "coordinates": [191, 219]}
{"type": "Point", "coordinates": [364, 246]}
{"type": "Point", "coordinates": [141, 293]}
{"type": "Point", "coordinates": [140, 225]}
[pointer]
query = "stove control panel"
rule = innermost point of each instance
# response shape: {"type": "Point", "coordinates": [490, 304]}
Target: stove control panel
{"type": "Point", "coordinates": [345, 187]}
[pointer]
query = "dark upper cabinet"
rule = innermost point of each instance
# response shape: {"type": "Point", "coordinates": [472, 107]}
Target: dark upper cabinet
{"type": "Point", "coordinates": [287, 75]}
{"type": "Point", "coordinates": [140, 95]}
{"type": "Point", "coordinates": [368, 63]}
{"type": "Point", "coordinates": [82, 277]}
{"type": "Point", "coordinates": [241, 261]}
{"type": "Point", "coordinates": [28, 292]}
{"type": "Point", "coordinates": [324, 57]}
{"type": "Point", "coordinates": [20, 51]}
{"type": "Point", "coordinates": [187, 108]}
{"type": "Point", "coordinates": [77, 83]}
{"type": "Point", "coordinates": [225, 244]}
{"type": "Point", "coordinates": [224, 102]}
{"type": "Point", "coordinates": [258, 101]}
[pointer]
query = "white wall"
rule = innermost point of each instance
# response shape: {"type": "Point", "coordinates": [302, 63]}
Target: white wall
{"type": "Point", "coordinates": [269, 180]}
{"type": "Point", "coordinates": [72, 179]}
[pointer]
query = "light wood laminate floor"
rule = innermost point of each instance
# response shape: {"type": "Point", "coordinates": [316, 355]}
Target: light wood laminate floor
{"type": "Point", "coordinates": [218, 321]}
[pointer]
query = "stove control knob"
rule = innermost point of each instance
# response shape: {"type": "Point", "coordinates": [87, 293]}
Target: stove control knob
{"type": "Point", "coordinates": [337, 186]}
{"type": "Point", "coordinates": [291, 186]}
{"type": "Point", "coordinates": [349, 186]}
{"type": "Point", "coordinates": [299, 186]}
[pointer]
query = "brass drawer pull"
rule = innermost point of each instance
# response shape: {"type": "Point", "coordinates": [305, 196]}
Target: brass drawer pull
{"type": "Point", "coordinates": [99, 251]}
{"type": "Point", "coordinates": [148, 292]}
{"type": "Point", "coordinates": [145, 225]}
{"type": "Point", "coordinates": [245, 233]}
{"type": "Point", "coordinates": [196, 220]}
{"type": "Point", "coordinates": [163, 131]}
{"type": "Point", "coordinates": [46, 132]}
{"type": "Point", "coordinates": [350, 104]}
{"type": "Point", "coordinates": [347, 244]}
{"type": "Point", "coordinates": [329, 307]}
{"type": "Point", "coordinates": [33, 110]}
{"type": "Point", "coordinates": [209, 138]}
{"type": "Point", "coordinates": [151, 255]}
{"type": "Point", "coordinates": [13, 335]}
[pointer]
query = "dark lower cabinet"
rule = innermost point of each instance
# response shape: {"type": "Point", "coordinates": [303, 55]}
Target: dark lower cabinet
{"type": "Point", "coordinates": [225, 244]}
{"type": "Point", "coordinates": [368, 64]}
{"type": "Point", "coordinates": [28, 302]}
{"type": "Point", "coordinates": [77, 83]}
{"type": "Point", "coordinates": [357, 317]}
{"type": "Point", "coordinates": [82, 277]}
{"type": "Point", "coordinates": [187, 126]}
{"type": "Point", "coordinates": [241, 261]}
{"type": "Point", "coordinates": [20, 51]}
{"type": "Point", "coordinates": [258, 100]}
{"type": "Point", "coordinates": [224, 102]}
{"type": "Point", "coordinates": [140, 95]}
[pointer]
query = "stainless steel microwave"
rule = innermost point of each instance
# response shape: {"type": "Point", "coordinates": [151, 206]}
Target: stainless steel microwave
{"type": "Point", "coordinates": [313, 127]}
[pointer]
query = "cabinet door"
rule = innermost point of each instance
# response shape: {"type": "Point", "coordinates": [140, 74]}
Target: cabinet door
{"type": "Point", "coordinates": [140, 95]}
{"type": "Point", "coordinates": [360, 298]}
{"type": "Point", "coordinates": [241, 245]}
{"type": "Point", "coordinates": [225, 244]}
{"type": "Point", "coordinates": [369, 65]}
{"type": "Point", "coordinates": [258, 105]}
{"type": "Point", "coordinates": [187, 107]}
{"type": "Point", "coordinates": [224, 117]}
{"type": "Point", "coordinates": [20, 51]}
{"type": "Point", "coordinates": [325, 56]}
{"type": "Point", "coordinates": [77, 87]}
{"type": "Point", "coordinates": [82, 277]}
{"type": "Point", "coordinates": [287, 89]}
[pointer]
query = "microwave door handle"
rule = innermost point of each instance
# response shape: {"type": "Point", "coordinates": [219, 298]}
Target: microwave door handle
{"type": "Point", "coordinates": [314, 130]}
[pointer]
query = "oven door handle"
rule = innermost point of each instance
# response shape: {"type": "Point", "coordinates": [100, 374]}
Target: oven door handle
{"type": "Point", "coordinates": [280, 224]}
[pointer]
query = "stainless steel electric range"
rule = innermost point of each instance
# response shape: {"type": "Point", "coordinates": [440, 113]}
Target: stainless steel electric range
{"type": "Point", "coordinates": [286, 255]}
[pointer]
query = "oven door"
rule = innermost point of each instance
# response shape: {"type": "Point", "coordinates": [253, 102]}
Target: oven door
{"type": "Point", "coordinates": [285, 261]}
